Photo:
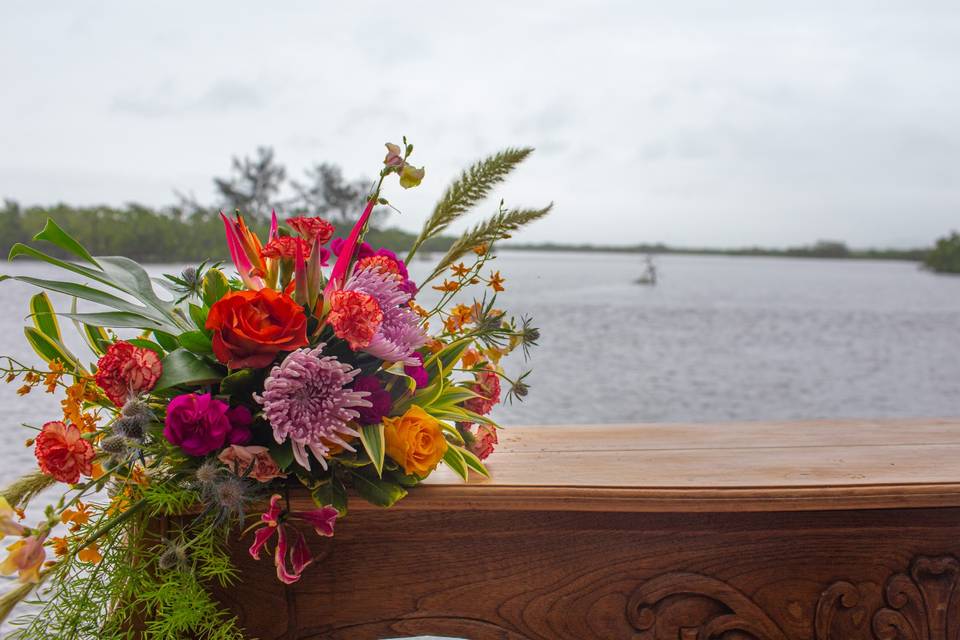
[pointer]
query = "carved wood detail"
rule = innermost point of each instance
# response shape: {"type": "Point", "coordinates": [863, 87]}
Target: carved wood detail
{"type": "Point", "coordinates": [922, 604]}
{"type": "Point", "coordinates": [690, 606]}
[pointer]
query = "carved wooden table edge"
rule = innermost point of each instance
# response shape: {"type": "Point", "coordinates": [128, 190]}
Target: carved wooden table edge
{"type": "Point", "coordinates": [598, 559]}
{"type": "Point", "coordinates": [613, 499]}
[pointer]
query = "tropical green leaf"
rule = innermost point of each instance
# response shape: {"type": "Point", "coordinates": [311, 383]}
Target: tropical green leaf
{"type": "Point", "coordinates": [375, 490]}
{"type": "Point", "coordinates": [180, 367]}
{"type": "Point", "coordinates": [53, 234]}
{"type": "Point", "coordinates": [454, 460]}
{"type": "Point", "coordinates": [115, 320]}
{"type": "Point", "coordinates": [333, 493]}
{"type": "Point", "coordinates": [20, 249]}
{"type": "Point", "coordinates": [199, 316]}
{"type": "Point", "coordinates": [240, 382]}
{"type": "Point", "coordinates": [87, 293]}
{"type": "Point", "coordinates": [452, 432]}
{"type": "Point", "coordinates": [50, 349]}
{"type": "Point", "coordinates": [167, 341]}
{"type": "Point", "coordinates": [474, 462]}
{"type": "Point", "coordinates": [96, 338]}
{"type": "Point", "coordinates": [196, 341]}
{"type": "Point", "coordinates": [147, 344]}
{"type": "Point", "coordinates": [44, 318]}
{"type": "Point", "coordinates": [282, 454]}
{"type": "Point", "coordinates": [371, 435]}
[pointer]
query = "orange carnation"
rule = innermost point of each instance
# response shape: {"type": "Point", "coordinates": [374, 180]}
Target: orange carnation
{"type": "Point", "coordinates": [63, 453]}
{"type": "Point", "coordinates": [415, 441]}
{"type": "Point", "coordinates": [251, 327]}
{"type": "Point", "coordinates": [355, 317]}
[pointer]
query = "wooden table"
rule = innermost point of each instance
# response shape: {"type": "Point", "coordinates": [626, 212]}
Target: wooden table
{"type": "Point", "coordinates": [815, 530]}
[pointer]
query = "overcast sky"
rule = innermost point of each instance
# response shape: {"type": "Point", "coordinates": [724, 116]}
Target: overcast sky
{"type": "Point", "coordinates": [693, 123]}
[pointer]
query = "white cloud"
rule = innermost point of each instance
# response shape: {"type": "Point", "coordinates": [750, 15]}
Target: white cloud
{"type": "Point", "coordinates": [695, 123]}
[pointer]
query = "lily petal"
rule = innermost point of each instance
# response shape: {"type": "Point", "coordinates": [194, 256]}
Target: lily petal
{"type": "Point", "coordinates": [322, 520]}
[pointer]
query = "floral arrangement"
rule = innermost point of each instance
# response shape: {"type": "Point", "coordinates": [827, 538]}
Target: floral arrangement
{"type": "Point", "coordinates": [313, 366]}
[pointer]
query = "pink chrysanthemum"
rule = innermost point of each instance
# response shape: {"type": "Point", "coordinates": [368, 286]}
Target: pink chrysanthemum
{"type": "Point", "coordinates": [306, 398]}
{"type": "Point", "coordinates": [400, 333]}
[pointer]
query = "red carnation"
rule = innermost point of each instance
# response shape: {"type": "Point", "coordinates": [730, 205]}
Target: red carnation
{"type": "Point", "coordinates": [311, 229]}
{"type": "Point", "coordinates": [285, 248]}
{"type": "Point", "coordinates": [63, 453]}
{"type": "Point", "coordinates": [355, 317]}
{"type": "Point", "coordinates": [126, 369]}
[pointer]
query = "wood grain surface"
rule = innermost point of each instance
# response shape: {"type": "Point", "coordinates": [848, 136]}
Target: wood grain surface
{"type": "Point", "coordinates": [668, 559]}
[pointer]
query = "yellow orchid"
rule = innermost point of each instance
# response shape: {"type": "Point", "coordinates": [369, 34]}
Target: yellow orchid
{"type": "Point", "coordinates": [26, 557]}
{"type": "Point", "coordinates": [7, 526]}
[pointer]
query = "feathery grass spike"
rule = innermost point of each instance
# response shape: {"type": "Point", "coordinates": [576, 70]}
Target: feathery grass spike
{"type": "Point", "coordinates": [497, 227]}
{"type": "Point", "coordinates": [471, 187]}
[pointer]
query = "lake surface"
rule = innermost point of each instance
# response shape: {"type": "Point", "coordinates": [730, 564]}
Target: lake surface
{"type": "Point", "coordinates": [718, 339]}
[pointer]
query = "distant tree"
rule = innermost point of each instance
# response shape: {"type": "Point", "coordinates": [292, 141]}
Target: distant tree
{"type": "Point", "coordinates": [327, 193]}
{"type": "Point", "coordinates": [822, 249]}
{"type": "Point", "coordinates": [945, 255]}
{"type": "Point", "coordinates": [255, 185]}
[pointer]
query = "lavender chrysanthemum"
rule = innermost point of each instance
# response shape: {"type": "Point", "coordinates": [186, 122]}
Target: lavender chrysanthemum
{"type": "Point", "coordinates": [400, 333]}
{"type": "Point", "coordinates": [306, 398]}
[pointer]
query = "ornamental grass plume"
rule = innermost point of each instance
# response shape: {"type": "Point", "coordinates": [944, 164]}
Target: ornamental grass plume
{"type": "Point", "coordinates": [308, 400]}
{"type": "Point", "coordinates": [400, 332]}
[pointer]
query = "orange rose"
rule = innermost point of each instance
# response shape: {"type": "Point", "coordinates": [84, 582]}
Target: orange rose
{"type": "Point", "coordinates": [251, 327]}
{"type": "Point", "coordinates": [415, 441]}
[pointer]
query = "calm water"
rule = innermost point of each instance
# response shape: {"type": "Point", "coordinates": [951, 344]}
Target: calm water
{"type": "Point", "coordinates": [718, 339]}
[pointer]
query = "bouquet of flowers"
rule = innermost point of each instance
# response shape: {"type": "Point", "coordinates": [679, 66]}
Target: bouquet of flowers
{"type": "Point", "coordinates": [313, 365]}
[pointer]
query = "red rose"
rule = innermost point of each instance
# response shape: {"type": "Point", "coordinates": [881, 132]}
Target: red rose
{"type": "Point", "coordinates": [311, 229]}
{"type": "Point", "coordinates": [251, 327]}
{"type": "Point", "coordinates": [63, 453]}
{"type": "Point", "coordinates": [125, 370]}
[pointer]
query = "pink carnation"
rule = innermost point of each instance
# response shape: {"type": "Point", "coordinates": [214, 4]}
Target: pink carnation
{"type": "Point", "coordinates": [487, 387]}
{"type": "Point", "coordinates": [254, 462]}
{"type": "Point", "coordinates": [125, 370]}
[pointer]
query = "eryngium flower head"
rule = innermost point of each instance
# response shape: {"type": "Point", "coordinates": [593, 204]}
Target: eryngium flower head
{"type": "Point", "coordinates": [307, 399]}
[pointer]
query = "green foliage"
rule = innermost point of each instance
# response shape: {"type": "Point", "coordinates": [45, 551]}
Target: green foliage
{"type": "Point", "coordinates": [498, 227]}
{"type": "Point", "coordinates": [182, 367]}
{"type": "Point", "coordinates": [134, 581]}
{"type": "Point", "coordinates": [945, 256]}
{"type": "Point", "coordinates": [371, 435]}
{"type": "Point", "coordinates": [374, 490]}
{"type": "Point", "coordinates": [473, 185]}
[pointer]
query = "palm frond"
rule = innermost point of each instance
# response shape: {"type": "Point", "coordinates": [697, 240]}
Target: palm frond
{"type": "Point", "coordinates": [473, 185]}
{"type": "Point", "coordinates": [497, 227]}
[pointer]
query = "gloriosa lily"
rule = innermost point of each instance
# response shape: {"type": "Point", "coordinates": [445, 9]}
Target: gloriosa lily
{"type": "Point", "coordinates": [274, 520]}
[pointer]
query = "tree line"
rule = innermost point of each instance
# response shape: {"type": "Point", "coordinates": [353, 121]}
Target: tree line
{"type": "Point", "coordinates": [189, 230]}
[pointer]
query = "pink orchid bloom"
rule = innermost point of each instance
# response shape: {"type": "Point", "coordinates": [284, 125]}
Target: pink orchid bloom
{"type": "Point", "coordinates": [275, 521]}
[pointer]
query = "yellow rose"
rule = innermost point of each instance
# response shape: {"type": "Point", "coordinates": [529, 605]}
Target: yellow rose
{"type": "Point", "coordinates": [415, 441]}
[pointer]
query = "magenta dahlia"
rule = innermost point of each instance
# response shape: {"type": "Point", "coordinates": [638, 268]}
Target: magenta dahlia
{"type": "Point", "coordinates": [307, 398]}
{"type": "Point", "coordinates": [400, 332]}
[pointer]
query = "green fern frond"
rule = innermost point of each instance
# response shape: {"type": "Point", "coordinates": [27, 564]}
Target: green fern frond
{"type": "Point", "coordinates": [473, 185]}
{"type": "Point", "coordinates": [497, 227]}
